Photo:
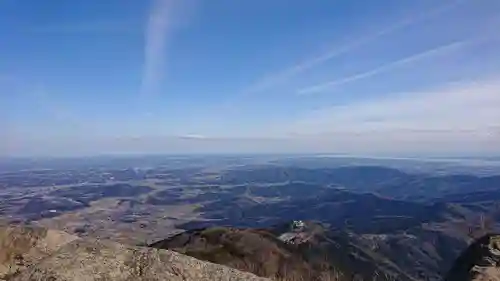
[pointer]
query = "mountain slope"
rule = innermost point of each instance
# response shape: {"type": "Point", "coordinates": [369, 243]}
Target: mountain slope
{"type": "Point", "coordinates": [256, 251]}
{"type": "Point", "coordinates": [309, 252]}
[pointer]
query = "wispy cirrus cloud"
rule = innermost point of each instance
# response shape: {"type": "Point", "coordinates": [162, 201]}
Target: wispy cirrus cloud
{"type": "Point", "coordinates": [457, 116]}
{"type": "Point", "coordinates": [383, 68]}
{"type": "Point", "coordinates": [158, 31]}
{"type": "Point", "coordinates": [300, 67]}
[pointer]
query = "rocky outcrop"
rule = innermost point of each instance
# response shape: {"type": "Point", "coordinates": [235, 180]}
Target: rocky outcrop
{"type": "Point", "coordinates": [40, 254]}
{"type": "Point", "coordinates": [24, 246]}
{"type": "Point", "coordinates": [479, 262]}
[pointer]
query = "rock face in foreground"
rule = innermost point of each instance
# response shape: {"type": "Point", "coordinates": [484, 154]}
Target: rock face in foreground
{"type": "Point", "coordinates": [40, 254]}
{"type": "Point", "coordinates": [23, 246]}
{"type": "Point", "coordinates": [479, 262]}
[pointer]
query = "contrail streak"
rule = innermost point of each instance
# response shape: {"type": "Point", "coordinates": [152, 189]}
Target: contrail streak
{"type": "Point", "coordinates": [380, 69]}
{"type": "Point", "coordinates": [308, 64]}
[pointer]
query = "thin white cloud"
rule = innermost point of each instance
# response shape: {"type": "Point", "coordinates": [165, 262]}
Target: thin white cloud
{"type": "Point", "coordinates": [158, 31]}
{"type": "Point", "coordinates": [383, 68]}
{"type": "Point", "coordinates": [289, 73]}
{"type": "Point", "coordinates": [193, 136]}
{"type": "Point", "coordinates": [459, 116]}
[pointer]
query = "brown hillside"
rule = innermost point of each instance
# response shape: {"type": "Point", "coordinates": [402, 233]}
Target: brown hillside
{"type": "Point", "coordinates": [253, 250]}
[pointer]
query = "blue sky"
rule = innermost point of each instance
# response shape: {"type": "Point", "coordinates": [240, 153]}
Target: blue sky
{"type": "Point", "coordinates": [128, 76]}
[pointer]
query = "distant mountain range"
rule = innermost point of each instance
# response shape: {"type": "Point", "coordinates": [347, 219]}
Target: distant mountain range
{"type": "Point", "coordinates": [374, 179]}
